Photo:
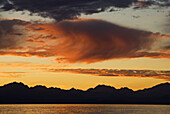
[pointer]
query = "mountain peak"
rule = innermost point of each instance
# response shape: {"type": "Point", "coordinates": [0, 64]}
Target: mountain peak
{"type": "Point", "coordinates": [15, 85]}
{"type": "Point", "coordinates": [103, 86]}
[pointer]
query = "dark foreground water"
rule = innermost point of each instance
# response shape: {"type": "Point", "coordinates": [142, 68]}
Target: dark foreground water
{"type": "Point", "coordinates": [83, 108]}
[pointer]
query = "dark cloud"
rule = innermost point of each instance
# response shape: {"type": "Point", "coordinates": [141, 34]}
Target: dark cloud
{"type": "Point", "coordinates": [167, 47]}
{"type": "Point", "coordinates": [163, 3]}
{"type": "Point", "coordinates": [114, 73]}
{"type": "Point", "coordinates": [2, 2]}
{"type": "Point", "coordinates": [65, 9]}
{"type": "Point", "coordinates": [69, 9]}
{"type": "Point", "coordinates": [152, 54]}
{"type": "Point", "coordinates": [9, 33]}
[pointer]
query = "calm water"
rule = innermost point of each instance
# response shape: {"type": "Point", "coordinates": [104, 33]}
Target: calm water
{"type": "Point", "coordinates": [83, 108]}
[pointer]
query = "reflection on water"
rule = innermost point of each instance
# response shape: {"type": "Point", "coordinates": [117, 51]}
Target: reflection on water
{"type": "Point", "coordinates": [83, 108]}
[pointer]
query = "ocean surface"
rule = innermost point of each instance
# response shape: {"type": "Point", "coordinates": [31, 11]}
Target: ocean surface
{"type": "Point", "coordinates": [83, 109]}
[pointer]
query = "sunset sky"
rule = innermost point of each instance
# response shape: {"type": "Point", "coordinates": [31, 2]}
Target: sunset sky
{"type": "Point", "coordinates": [83, 43]}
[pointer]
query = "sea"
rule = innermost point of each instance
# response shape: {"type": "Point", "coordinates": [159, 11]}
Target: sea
{"type": "Point", "coordinates": [83, 109]}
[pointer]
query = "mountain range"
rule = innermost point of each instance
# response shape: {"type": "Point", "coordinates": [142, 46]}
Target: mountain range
{"type": "Point", "coordinates": [18, 93]}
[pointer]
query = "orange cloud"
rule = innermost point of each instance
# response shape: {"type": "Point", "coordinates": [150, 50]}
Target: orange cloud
{"type": "Point", "coordinates": [29, 65]}
{"type": "Point", "coordinates": [158, 35]}
{"type": "Point", "coordinates": [8, 76]}
{"type": "Point", "coordinates": [92, 40]}
{"type": "Point", "coordinates": [94, 72]}
{"type": "Point", "coordinates": [86, 40]}
{"type": "Point", "coordinates": [141, 3]}
{"type": "Point", "coordinates": [11, 74]}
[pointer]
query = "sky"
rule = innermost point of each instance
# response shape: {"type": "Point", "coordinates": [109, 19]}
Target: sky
{"type": "Point", "coordinates": [83, 43]}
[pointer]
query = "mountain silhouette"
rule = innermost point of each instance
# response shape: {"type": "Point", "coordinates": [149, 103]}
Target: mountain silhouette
{"type": "Point", "coordinates": [15, 92]}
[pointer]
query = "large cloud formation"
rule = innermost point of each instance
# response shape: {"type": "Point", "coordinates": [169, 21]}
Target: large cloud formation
{"type": "Point", "coordinates": [85, 40]}
{"type": "Point", "coordinates": [69, 9]}
{"type": "Point", "coordinates": [96, 40]}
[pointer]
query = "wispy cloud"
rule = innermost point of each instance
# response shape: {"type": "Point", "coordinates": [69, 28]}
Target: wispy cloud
{"type": "Point", "coordinates": [12, 74]}
{"type": "Point", "coordinates": [29, 65]}
{"type": "Point", "coordinates": [31, 68]}
{"type": "Point", "coordinates": [117, 73]}
{"type": "Point", "coordinates": [27, 69]}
